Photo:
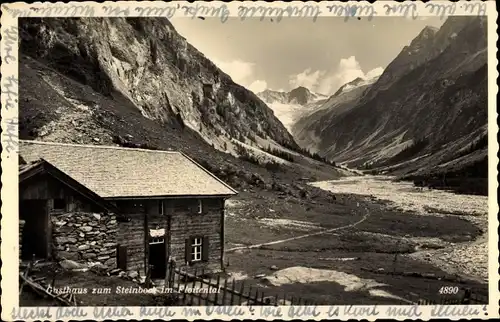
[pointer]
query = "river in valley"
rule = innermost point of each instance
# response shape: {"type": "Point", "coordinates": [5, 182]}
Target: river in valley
{"type": "Point", "coordinates": [469, 259]}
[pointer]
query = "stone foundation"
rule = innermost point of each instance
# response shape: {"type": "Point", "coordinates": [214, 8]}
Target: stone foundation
{"type": "Point", "coordinates": [85, 237]}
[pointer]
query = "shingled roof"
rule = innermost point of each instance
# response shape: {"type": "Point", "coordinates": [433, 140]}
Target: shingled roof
{"type": "Point", "coordinates": [116, 172]}
{"type": "Point", "coordinates": [27, 171]}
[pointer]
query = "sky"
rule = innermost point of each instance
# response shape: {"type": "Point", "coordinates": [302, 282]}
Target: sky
{"type": "Point", "coordinates": [321, 55]}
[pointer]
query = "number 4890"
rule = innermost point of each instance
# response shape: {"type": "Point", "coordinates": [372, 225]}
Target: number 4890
{"type": "Point", "coordinates": [448, 290]}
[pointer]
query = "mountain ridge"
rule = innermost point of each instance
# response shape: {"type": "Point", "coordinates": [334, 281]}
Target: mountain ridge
{"type": "Point", "coordinates": [148, 62]}
{"type": "Point", "coordinates": [290, 106]}
{"type": "Point", "coordinates": [439, 79]}
{"type": "Point", "coordinates": [300, 95]}
{"type": "Point", "coordinates": [97, 80]}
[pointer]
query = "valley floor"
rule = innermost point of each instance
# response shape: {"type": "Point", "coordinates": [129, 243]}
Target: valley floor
{"type": "Point", "coordinates": [379, 242]}
{"type": "Point", "coordinates": [375, 242]}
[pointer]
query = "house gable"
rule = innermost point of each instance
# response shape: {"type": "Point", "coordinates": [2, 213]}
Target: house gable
{"type": "Point", "coordinates": [30, 172]}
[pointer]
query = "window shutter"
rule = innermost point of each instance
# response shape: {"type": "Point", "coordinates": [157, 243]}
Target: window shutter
{"type": "Point", "coordinates": [205, 248]}
{"type": "Point", "coordinates": [191, 207]}
{"type": "Point", "coordinates": [187, 250]}
{"type": "Point", "coordinates": [160, 210]}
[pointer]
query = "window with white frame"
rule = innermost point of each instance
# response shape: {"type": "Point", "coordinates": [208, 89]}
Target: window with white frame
{"type": "Point", "coordinates": [200, 206]}
{"type": "Point", "coordinates": [156, 240]}
{"type": "Point", "coordinates": [196, 249]}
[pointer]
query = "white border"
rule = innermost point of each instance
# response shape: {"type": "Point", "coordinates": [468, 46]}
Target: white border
{"type": "Point", "coordinates": [311, 10]}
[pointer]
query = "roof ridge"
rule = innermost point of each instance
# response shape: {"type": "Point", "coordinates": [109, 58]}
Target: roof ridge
{"type": "Point", "coordinates": [97, 146]}
{"type": "Point", "coordinates": [208, 172]}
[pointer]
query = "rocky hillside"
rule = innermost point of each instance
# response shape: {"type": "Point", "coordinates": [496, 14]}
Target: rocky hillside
{"type": "Point", "coordinates": [293, 105]}
{"type": "Point", "coordinates": [152, 66]}
{"type": "Point", "coordinates": [137, 83]}
{"type": "Point", "coordinates": [427, 113]}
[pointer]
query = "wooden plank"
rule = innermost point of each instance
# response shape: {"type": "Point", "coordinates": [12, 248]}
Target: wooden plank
{"type": "Point", "coordinates": [207, 298]}
{"type": "Point", "coordinates": [25, 274]}
{"type": "Point", "coordinates": [176, 284]}
{"type": "Point", "coordinates": [184, 291]}
{"type": "Point", "coordinates": [224, 292]}
{"type": "Point", "coordinates": [170, 274]}
{"type": "Point", "coordinates": [193, 285]}
{"type": "Point", "coordinates": [232, 292]}
{"type": "Point", "coordinates": [216, 302]}
{"type": "Point", "coordinates": [202, 285]}
{"type": "Point", "coordinates": [256, 296]}
{"type": "Point", "coordinates": [222, 242]}
{"type": "Point", "coordinates": [242, 289]}
{"type": "Point", "coordinates": [249, 297]}
{"type": "Point", "coordinates": [38, 279]}
{"type": "Point", "coordinates": [39, 289]}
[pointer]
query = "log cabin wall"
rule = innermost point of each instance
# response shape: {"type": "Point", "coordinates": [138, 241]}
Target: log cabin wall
{"type": "Point", "coordinates": [187, 224]}
{"type": "Point", "coordinates": [131, 236]}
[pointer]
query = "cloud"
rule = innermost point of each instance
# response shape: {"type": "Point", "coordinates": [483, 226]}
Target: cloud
{"type": "Point", "coordinates": [257, 86]}
{"type": "Point", "coordinates": [239, 70]}
{"type": "Point", "coordinates": [306, 79]}
{"type": "Point", "coordinates": [324, 82]}
{"type": "Point", "coordinates": [242, 72]}
{"type": "Point", "coordinates": [374, 72]}
{"type": "Point", "coordinates": [319, 81]}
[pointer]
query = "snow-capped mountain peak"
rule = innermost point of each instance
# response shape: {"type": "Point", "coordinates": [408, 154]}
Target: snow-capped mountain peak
{"type": "Point", "coordinates": [300, 95]}
{"type": "Point", "coordinates": [289, 106]}
{"type": "Point", "coordinates": [356, 83]}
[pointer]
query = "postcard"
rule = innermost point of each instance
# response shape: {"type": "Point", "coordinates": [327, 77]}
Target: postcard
{"type": "Point", "coordinates": [249, 160]}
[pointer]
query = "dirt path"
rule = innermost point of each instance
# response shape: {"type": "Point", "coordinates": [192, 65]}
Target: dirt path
{"type": "Point", "coordinates": [326, 231]}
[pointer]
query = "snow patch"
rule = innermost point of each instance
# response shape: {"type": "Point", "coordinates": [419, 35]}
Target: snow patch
{"type": "Point", "coordinates": [290, 112]}
{"type": "Point", "coordinates": [286, 113]}
{"type": "Point", "coordinates": [350, 282]}
{"type": "Point", "coordinates": [262, 156]}
{"type": "Point", "coordinates": [234, 203]}
{"type": "Point", "coordinates": [349, 87]}
{"type": "Point", "coordinates": [288, 223]}
{"type": "Point", "coordinates": [238, 276]}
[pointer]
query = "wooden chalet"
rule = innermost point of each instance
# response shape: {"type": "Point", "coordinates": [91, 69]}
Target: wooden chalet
{"type": "Point", "coordinates": [124, 207]}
